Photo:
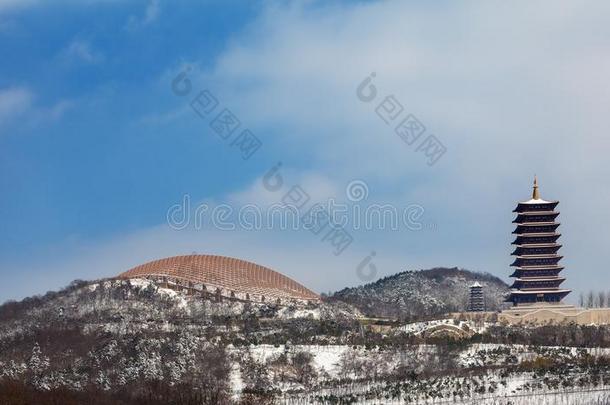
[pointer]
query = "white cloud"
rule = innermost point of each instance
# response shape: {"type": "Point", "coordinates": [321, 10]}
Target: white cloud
{"type": "Point", "coordinates": [17, 5]}
{"type": "Point", "coordinates": [20, 103]}
{"type": "Point", "coordinates": [14, 102]}
{"type": "Point", "coordinates": [312, 264]}
{"type": "Point", "coordinates": [510, 90]}
{"type": "Point", "coordinates": [465, 72]}
{"type": "Point", "coordinates": [9, 5]}
{"type": "Point", "coordinates": [55, 111]}
{"type": "Point", "coordinates": [80, 51]}
{"type": "Point", "coordinates": [151, 14]}
{"type": "Point", "coordinates": [318, 187]}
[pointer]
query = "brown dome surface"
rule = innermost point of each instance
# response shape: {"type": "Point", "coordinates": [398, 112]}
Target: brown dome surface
{"type": "Point", "coordinates": [231, 275]}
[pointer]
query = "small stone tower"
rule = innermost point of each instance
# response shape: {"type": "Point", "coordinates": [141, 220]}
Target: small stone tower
{"type": "Point", "coordinates": [476, 303]}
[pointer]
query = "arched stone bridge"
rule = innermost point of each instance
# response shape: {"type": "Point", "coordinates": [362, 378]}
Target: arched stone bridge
{"type": "Point", "coordinates": [442, 330]}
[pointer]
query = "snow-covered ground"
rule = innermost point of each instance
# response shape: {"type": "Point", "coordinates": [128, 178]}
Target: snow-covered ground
{"type": "Point", "coordinates": [325, 358]}
{"type": "Point", "coordinates": [488, 388]}
{"type": "Point", "coordinates": [510, 392]}
{"type": "Point", "coordinates": [290, 313]}
{"type": "Point", "coordinates": [137, 331]}
{"type": "Point", "coordinates": [467, 326]}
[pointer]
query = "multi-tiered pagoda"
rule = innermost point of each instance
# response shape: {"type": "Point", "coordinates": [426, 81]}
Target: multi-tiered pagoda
{"type": "Point", "coordinates": [476, 302]}
{"type": "Point", "coordinates": [536, 262]}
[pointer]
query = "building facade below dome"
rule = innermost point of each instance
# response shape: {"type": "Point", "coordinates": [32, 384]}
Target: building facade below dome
{"type": "Point", "coordinates": [223, 277]}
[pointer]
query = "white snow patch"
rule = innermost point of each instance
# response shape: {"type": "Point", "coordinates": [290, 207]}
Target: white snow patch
{"type": "Point", "coordinates": [140, 283]}
{"type": "Point", "coordinates": [289, 313]}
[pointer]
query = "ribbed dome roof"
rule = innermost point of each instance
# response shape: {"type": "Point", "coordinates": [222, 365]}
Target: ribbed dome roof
{"type": "Point", "coordinates": [232, 274]}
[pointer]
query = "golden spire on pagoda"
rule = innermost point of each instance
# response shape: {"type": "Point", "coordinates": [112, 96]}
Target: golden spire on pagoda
{"type": "Point", "coordinates": [536, 193]}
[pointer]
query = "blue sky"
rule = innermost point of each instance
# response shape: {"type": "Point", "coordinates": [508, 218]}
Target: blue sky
{"type": "Point", "coordinates": [95, 147]}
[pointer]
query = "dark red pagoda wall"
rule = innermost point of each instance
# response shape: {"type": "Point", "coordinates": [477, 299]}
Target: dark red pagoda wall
{"type": "Point", "coordinates": [547, 297]}
{"type": "Point", "coordinates": [525, 240]}
{"type": "Point", "coordinates": [524, 262]}
{"type": "Point", "coordinates": [537, 284]}
{"type": "Point", "coordinates": [522, 219]}
{"type": "Point", "coordinates": [535, 207]}
{"type": "Point", "coordinates": [536, 273]}
{"type": "Point", "coordinates": [536, 229]}
{"type": "Point", "coordinates": [523, 251]}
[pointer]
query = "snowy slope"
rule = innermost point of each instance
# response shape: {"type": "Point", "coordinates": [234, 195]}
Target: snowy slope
{"type": "Point", "coordinates": [421, 293]}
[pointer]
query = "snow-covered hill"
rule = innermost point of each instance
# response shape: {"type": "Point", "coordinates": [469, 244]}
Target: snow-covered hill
{"type": "Point", "coordinates": [131, 342]}
{"type": "Point", "coordinates": [420, 293]}
{"type": "Point", "coordinates": [134, 339]}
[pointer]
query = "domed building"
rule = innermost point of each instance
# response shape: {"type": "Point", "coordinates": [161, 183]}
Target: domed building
{"type": "Point", "coordinates": [220, 277]}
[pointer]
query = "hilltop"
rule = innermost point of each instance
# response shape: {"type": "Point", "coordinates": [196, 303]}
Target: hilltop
{"type": "Point", "coordinates": [413, 294]}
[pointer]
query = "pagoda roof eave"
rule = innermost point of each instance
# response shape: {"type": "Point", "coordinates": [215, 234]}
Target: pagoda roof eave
{"type": "Point", "coordinates": [519, 223]}
{"type": "Point", "coordinates": [534, 201]}
{"type": "Point", "coordinates": [522, 207]}
{"type": "Point", "coordinates": [538, 245]}
{"type": "Point", "coordinates": [539, 234]}
{"type": "Point", "coordinates": [517, 234]}
{"type": "Point", "coordinates": [537, 223]}
{"type": "Point", "coordinates": [558, 291]}
{"type": "Point", "coordinates": [533, 213]}
{"type": "Point", "coordinates": [535, 235]}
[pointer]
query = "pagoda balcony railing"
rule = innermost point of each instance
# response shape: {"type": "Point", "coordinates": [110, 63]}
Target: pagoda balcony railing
{"type": "Point", "coordinates": [543, 267]}
{"type": "Point", "coordinates": [540, 289]}
{"type": "Point", "coordinates": [532, 299]}
{"type": "Point", "coordinates": [539, 278]}
{"type": "Point", "coordinates": [536, 285]}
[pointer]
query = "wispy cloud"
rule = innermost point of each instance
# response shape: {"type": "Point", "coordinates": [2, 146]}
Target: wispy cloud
{"type": "Point", "coordinates": [508, 102]}
{"type": "Point", "coordinates": [151, 13]}
{"type": "Point", "coordinates": [19, 103]}
{"type": "Point", "coordinates": [309, 264]}
{"type": "Point", "coordinates": [14, 102]}
{"type": "Point", "coordinates": [486, 92]}
{"type": "Point", "coordinates": [56, 111]}
{"type": "Point", "coordinates": [511, 91]}
{"type": "Point", "coordinates": [17, 5]}
{"type": "Point", "coordinates": [81, 51]}
{"type": "Point", "coordinates": [11, 5]}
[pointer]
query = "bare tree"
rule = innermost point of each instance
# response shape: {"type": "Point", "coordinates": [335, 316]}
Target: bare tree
{"type": "Point", "coordinates": [590, 299]}
{"type": "Point", "coordinates": [581, 299]}
{"type": "Point", "coordinates": [350, 365]}
{"type": "Point", "coordinates": [305, 372]}
{"type": "Point", "coordinates": [601, 299]}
